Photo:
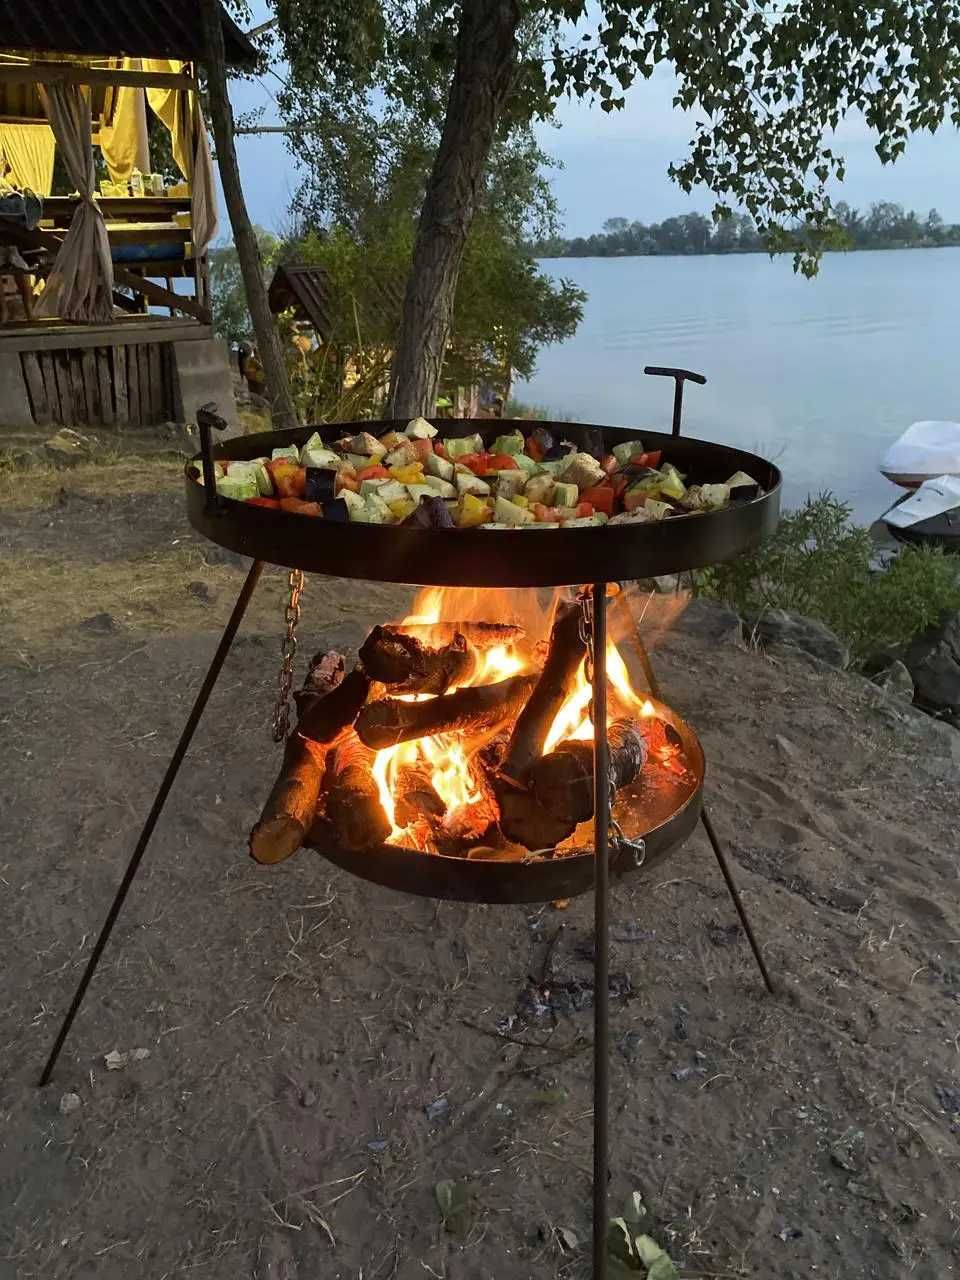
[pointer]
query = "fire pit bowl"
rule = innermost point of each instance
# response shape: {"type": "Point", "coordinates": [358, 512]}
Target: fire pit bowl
{"type": "Point", "coordinates": [489, 557]}
{"type": "Point", "coordinates": [662, 809]}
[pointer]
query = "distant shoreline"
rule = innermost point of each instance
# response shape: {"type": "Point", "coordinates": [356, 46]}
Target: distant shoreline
{"type": "Point", "coordinates": [731, 253]}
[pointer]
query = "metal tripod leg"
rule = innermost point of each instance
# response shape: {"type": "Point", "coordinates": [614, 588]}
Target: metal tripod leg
{"type": "Point", "coordinates": [601, 948]}
{"type": "Point", "coordinates": [708, 826]}
{"type": "Point", "coordinates": [229, 634]}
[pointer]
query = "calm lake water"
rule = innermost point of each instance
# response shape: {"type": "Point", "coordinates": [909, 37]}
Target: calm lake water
{"type": "Point", "coordinates": [818, 375]}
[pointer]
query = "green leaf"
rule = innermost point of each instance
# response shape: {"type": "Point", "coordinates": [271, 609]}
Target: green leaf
{"type": "Point", "coordinates": [456, 1207]}
{"type": "Point", "coordinates": [659, 1266]}
{"type": "Point", "coordinates": [620, 1244]}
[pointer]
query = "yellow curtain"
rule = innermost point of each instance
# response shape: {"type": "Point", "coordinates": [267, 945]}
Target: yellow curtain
{"type": "Point", "coordinates": [123, 140]}
{"type": "Point", "coordinates": [29, 151]}
{"type": "Point", "coordinates": [180, 112]}
{"type": "Point", "coordinates": [173, 108]}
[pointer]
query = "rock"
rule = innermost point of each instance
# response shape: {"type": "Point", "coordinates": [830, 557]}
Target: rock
{"type": "Point", "coordinates": [776, 627]}
{"type": "Point", "coordinates": [215, 555]}
{"type": "Point", "coordinates": [933, 660]}
{"type": "Point", "coordinates": [940, 739]}
{"type": "Point", "coordinates": [101, 624]}
{"type": "Point", "coordinates": [880, 659]}
{"type": "Point", "coordinates": [896, 680]}
{"type": "Point", "coordinates": [69, 1103]}
{"type": "Point", "coordinates": [68, 446]}
{"type": "Point", "coordinates": [708, 620]}
{"type": "Point", "coordinates": [201, 591]}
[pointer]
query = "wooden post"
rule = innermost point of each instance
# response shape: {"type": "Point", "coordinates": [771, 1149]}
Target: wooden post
{"type": "Point", "coordinates": [221, 114]}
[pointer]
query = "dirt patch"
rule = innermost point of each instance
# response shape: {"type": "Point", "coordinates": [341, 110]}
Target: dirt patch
{"type": "Point", "coordinates": [322, 1053]}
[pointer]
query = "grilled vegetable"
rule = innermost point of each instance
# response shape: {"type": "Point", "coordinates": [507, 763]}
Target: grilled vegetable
{"type": "Point", "coordinates": [290, 451]}
{"type": "Point", "coordinates": [431, 513]}
{"type": "Point", "coordinates": [627, 450]}
{"type": "Point", "coordinates": [471, 511]}
{"type": "Point", "coordinates": [505, 512]}
{"type": "Point", "coordinates": [420, 429]}
{"type": "Point", "coordinates": [434, 465]}
{"type": "Point", "coordinates": [458, 447]}
{"type": "Point", "coordinates": [336, 510]}
{"type": "Point", "coordinates": [467, 482]}
{"type": "Point", "coordinates": [320, 484]}
{"type": "Point", "coordinates": [583, 470]}
{"type": "Point", "coordinates": [512, 443]}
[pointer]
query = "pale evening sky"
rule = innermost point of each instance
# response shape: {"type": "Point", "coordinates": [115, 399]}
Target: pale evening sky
{"type": "Point", "coordinates": [616, 165]}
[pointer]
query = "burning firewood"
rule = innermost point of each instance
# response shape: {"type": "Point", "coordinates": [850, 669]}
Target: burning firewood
{"type": "Point", "coordinates": [561, 788]}
{"type": "Point", "coordinates": [416, 797]}
{"type": "Point", "coordinates": [556, 683]}
{"type": "Point", "coordinates": [353, 803]}
{"type": "Point", "coordinates": [328, 703]}
{"type": "Point", "coordinates": [563, 780]}
{"type": "Point", "coordinates": [482, 635]}
{"type": "Point", "coordinates": [468, 711]}
{"type": "Point", "coordinates": [401, 660]}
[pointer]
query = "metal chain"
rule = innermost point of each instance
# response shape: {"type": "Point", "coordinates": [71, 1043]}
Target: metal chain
{"type": "Point", "coordinates": [634, 850]}
{"type": "Point", "coordinates": [288, 648]}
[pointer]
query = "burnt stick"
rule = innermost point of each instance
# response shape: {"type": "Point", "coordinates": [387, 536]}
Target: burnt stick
{"type": "Point", "coordinates": [482, 635]}
{"type": "Point", "coordinates": [556, 683]}
{"type": "Point", "coordinates": [403, 661]}
{"type": "Point", "coordinates": [353, 805]}
{"type": "Point", "coordinates": [471, 710]}
{"type": "Point", "coordinates": [328, 704]}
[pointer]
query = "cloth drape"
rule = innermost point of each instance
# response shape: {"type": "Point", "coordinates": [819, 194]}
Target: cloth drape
{"type": "Point", "coordinates": [124, 141]}
{"type": "Point", "coordinates": [180, 112]}
{"type": "Point", "coordinates": [29, 150]}
{"type": "Point", "coordinates": [80, 285]}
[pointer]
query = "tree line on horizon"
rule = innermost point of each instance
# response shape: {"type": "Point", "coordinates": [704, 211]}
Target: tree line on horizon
{"type": "Point", "coordinates": [885, 225]}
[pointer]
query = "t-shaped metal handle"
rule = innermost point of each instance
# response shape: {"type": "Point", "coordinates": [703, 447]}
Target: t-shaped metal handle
{"type": "Point", "coordinates": [680, 376]}
{"type": "Point", "coordinates": [209, 419]}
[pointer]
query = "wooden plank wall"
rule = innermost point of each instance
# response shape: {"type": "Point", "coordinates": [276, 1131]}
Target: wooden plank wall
{"type": "Point", "coordinates": [117, 387]}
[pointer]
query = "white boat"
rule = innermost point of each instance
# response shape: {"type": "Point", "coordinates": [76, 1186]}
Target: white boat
{"type": "Point", "coordinates": [925, 451]}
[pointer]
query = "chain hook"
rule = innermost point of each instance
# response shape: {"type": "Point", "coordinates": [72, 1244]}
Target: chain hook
{"type": "Point", "coordinates": [288, 650]}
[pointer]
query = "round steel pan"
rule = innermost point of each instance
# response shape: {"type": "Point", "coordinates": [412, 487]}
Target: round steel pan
{"type": "Point", "coordinates": [494, 557]}
{"type": "Point", "coordinates": [661, 808]}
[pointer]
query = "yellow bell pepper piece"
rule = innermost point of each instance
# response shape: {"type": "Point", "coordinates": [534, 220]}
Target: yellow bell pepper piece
{"type": "Point", "coordinates": [408, 473]}
{"type": "Point", "coordinates": [472, 511]}
{"type": "Point", "coordinates": [402, 507]}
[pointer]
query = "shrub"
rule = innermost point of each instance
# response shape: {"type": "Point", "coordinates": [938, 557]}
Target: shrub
{"type": "Point", "coordinates": [818, 564]}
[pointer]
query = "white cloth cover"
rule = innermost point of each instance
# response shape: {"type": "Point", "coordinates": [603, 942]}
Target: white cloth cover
{"type": "Point", "coordinates": [925, 450]}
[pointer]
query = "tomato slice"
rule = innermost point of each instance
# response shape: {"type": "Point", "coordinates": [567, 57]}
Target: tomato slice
{"type": "Point", "coordinates": [502, 462]}
{"type": "Point", "coordinates": [346, 481]}
{"type": "Point", "coordinates": [534, 449]}
{"type": "Point", "coordinates": [375, 472]}
{"type": "Point", "coordinates": [651, 459]}
{"type": "Point", "coordinates": [545, 515]}
{"type": "Point", "coordinates": [601, 498]}
{"type": "Point", "coordinates": [583, 510]}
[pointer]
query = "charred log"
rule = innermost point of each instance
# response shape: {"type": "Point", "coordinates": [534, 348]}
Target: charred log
{"type": "Point", "coordinates": [322, 718]}
{"type": "Point", "coordinates": [482, 635]}
{"type": "Point", "coordinates": [562, 781]}
{"type": "Point", "coordinates": [328, 703]}
{"type": "Point", "coordinates": [560, 795]}
{"type": "Point", "coordinates": [401, 660]}
{"type": "Point", "coordinates": [471, 710]}
{"type": "Point", "coordinates": [290, 807]}
{"type": "Point", "coordinates": [556, 683]}
{"type": "Point", "coordinates": [353, 805]}
{"type": "Point", "coordinates": [416, 798]}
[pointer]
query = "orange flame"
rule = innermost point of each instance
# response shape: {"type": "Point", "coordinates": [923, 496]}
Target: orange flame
{"type": "Point", "coordinates": [444, 756]}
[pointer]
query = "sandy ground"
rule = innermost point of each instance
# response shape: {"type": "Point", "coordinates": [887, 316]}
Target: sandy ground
{"type": "Point", "coordinates": [300, 1022]}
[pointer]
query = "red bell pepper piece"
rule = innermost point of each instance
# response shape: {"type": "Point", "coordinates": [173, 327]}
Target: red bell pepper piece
{"type": "Point", "coordinates": [610, 464]}
{"type": "Point", "coordinates": [262, 502]}
{"type": "Point", "coordinates": [479, 463]}
{"type": "Point", "coordinates": [651, 459]}
{"type": "Point", "coordinates": [347, 481]}
{"type": "Point", "coordinates": [502, 462]}
{"type": "Point", "coordinates": [534, 449]}
{"type": "Point", "coordinates": [583, 510]}
{"type": "Point", "coordinates": [375, 472]}
{"type": "Point", "coordinates": [601, 498]}
{"type": "Point", "coordinates": [299, 507]}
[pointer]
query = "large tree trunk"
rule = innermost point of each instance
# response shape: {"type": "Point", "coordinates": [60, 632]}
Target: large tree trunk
{"type": "Point", "coordinates": [221, 114]}
{"type": "Point", "coordinates": [486, 62]}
